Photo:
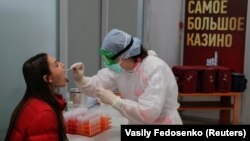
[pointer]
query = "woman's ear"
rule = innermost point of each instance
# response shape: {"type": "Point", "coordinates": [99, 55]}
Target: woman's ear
{"type": "Point", "coordinates": [47, 79]}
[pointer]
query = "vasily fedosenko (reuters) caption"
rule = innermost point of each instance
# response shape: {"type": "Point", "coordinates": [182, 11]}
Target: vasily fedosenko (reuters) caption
{"type": "Point", "coordinates": [196, 132]}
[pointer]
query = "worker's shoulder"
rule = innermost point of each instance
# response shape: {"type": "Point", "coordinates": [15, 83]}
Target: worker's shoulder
{"type": "Point", "coordinates": [154, 65]}
{"type": "Point", "coordinates": [155, 62]}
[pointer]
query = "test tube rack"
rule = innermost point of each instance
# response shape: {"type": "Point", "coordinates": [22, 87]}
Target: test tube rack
{"type": "Point", "coordinates": [89, 124]}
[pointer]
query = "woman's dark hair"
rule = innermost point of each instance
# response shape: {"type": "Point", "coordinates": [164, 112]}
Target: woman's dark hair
{"type": "Point", "coordinates": [143, 54]}
{"type": "Point", "coordinates": [33, 71]}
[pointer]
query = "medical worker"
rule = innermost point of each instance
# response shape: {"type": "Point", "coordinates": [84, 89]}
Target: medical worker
{"type": "Point", "coordinates": [146, 83]}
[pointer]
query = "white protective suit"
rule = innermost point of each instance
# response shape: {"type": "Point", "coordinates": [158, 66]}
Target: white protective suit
{"type": "Point", "coordinates": [149, 93]}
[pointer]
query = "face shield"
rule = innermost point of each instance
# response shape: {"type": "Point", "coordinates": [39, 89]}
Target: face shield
{"type": "Point", "coordinates": [109, 62]}
{"type": "Point", "coordinates": [106, 55]}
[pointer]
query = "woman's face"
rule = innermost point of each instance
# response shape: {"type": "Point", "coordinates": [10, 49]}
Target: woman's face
{"type": "Point", "coordinates": [57, 72]}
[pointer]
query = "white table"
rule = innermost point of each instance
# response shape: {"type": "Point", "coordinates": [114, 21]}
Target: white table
{"type": "Point", "coordinates": [111, 134]}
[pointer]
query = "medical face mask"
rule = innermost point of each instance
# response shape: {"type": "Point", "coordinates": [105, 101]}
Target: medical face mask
{"type": "Point", "coordinates": [116, 68]}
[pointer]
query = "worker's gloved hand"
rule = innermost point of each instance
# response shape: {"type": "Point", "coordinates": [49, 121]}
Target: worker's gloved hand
{"type": "Point", "coordinates": [78, 72]}
{"type": "Point", "coordinates": [108, 97]}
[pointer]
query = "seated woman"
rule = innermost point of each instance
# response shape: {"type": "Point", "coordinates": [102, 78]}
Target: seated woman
{"type": "Point", "coordinates": [38, 116]}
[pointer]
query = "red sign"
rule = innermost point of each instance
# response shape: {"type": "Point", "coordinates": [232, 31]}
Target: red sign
{"type": "Point", "coordinates": [215, 33]}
